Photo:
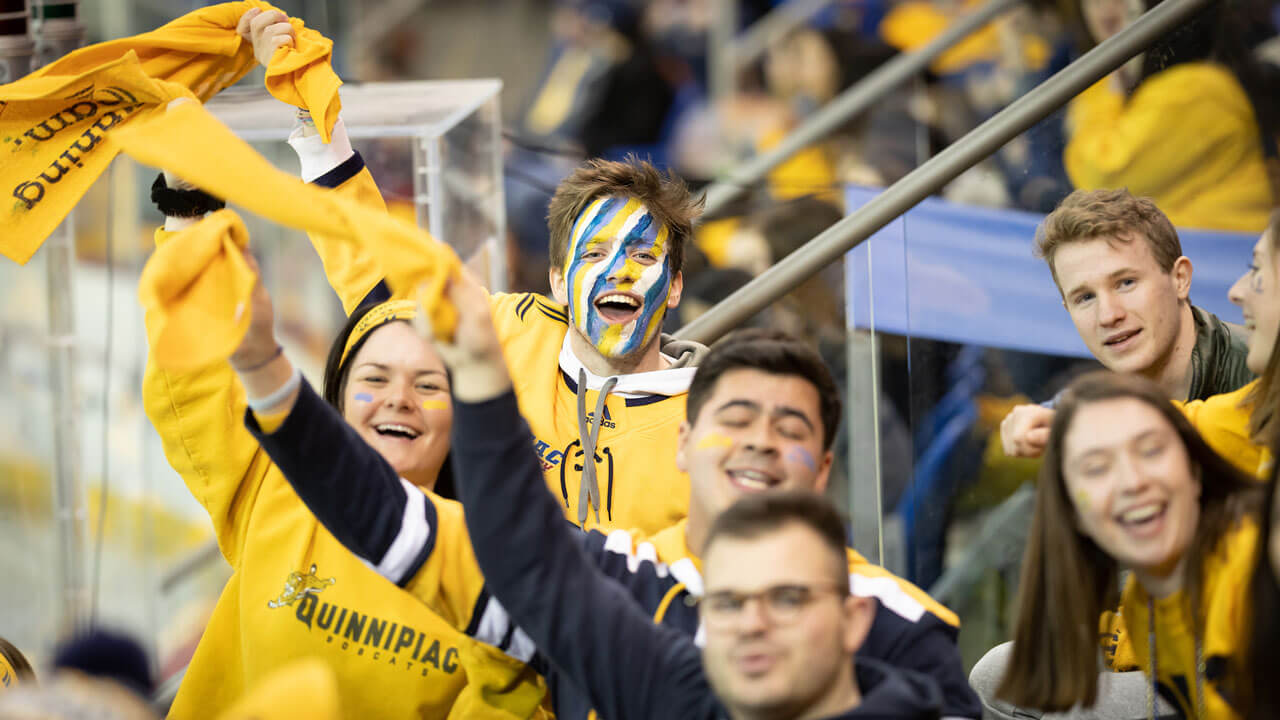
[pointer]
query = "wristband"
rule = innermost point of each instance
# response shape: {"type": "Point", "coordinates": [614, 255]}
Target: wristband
{"type": "Point", "coordinates": [183, 203]}
{"type": "Point", "coordinates": [279, 351]}
{"type": "Point", "coordinates": [270, 401]}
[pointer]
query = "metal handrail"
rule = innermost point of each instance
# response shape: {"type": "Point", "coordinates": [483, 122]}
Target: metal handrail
{"type": "Point", "coordinates": [930, 177]}
{"type": "Point", "coordinates": [849, 104]}
{"type": "Point", "coordinates": [766, 31]}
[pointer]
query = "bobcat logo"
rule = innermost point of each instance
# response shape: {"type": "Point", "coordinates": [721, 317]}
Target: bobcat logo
{"type": "Point", "coordinates": [299, 585]}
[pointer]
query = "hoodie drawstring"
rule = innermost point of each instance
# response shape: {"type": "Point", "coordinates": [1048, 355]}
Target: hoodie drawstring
{"type": "Point", "coordinates": [589, 435]}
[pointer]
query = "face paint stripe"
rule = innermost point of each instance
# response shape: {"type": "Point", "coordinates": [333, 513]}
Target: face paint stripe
{"type": "Point", "coordinates": [364, 397]}
{"type": "Point", "coordinates": [591, 218]}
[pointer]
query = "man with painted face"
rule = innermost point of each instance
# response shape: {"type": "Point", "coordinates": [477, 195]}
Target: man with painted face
{"type": "Point", "coordinates": [762, 413]}
{"type": "Point", "coordinates": [603, 399]}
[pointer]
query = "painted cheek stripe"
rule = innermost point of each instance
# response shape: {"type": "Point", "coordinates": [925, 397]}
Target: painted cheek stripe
{"type": "Point", "coordinates": [364, 397]}
{"type": "Point", "coordinates": [435, 405]}
{"type": "Point", "coordinates": [802, 456]}
{"type": "Point", "coordinates": [714, 440]}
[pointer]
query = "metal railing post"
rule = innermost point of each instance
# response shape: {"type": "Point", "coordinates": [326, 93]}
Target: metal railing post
{"type": "Point", "coordinates": [781, 20]}
{"type": "Point", "coordinates": [850, 103]}
{"type": "Point", "coordinates": [940, 170]}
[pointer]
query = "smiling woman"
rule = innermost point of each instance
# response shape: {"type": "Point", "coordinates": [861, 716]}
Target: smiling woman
{"type": "Point", "coordinates": [1128, 484]}
{"type": "Point", "coordinates": [392, 388]}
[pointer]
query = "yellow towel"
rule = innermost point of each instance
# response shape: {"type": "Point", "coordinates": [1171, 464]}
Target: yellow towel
{"type": "Point", "coordinates": [415, 266]}
{"type": "Point", "coordinates": [197, 286]}
{"type": "Point", "coordinates": [56, 123]}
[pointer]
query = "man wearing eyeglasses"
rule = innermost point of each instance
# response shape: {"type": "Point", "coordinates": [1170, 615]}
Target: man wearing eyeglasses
{"type": "Point", "coordinates": [762, 414]}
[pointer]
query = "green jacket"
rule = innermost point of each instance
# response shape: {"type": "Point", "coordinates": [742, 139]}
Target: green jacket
{"type": "Point", "coordinates": [1218, 358]}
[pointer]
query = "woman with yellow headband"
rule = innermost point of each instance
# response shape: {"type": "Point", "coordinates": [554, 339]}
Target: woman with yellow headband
{"type": "Point", "coordinates": [295, 591]}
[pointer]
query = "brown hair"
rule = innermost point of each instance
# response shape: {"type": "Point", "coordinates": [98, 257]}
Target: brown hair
{"type": "Point", "coordinates": [666, 196]}
{"type": "Point", "coordinates": [1067, 580]}
{"type": "Point", "coordinates": [1265, 396]}
{"type": "Point", "coordinates": [1115, 215]}
{"type": "Point", "coordinates": [762, 513]}
{"type": "Point", "coordinates": [17, 661]}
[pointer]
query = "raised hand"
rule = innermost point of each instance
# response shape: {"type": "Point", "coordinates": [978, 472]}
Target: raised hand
{"type": "Point", "coordinates": [267, 31]}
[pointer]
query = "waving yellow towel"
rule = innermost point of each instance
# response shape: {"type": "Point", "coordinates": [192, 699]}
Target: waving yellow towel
{"type": "Point", "coordinates": [195, 145]}
{"type": "Point", "coordinates": [56, 123]}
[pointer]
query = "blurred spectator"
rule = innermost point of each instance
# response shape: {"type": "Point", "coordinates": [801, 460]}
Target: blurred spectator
{"type": "Point", "coordinates": [1179, 123]}
{"type": "Point", "coordinates": [100, 674]}
{"type": "Point", "coordinates": [108, 655]}
{"type": "Point", "coordinates": [14, 668]}
{"type": "Point", "coordinates": [707, 289]}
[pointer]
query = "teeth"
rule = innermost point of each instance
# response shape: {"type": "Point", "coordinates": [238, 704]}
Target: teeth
{"type": "Point", "coordinates": [395, 427]}
{"type": "Point", "coordinates": [617, 298]}
{"type": "Point", "coordinates": [752, 479]}
{"type": "Point", "coordinates": [1141, 514]}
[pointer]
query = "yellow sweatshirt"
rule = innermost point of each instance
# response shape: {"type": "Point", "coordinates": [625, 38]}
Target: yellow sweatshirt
{"type": "Point", "coordinates": [1187, 138]}
{"type": "Point", "coordinates": [640, 485]}
{"type": "Point", "coordinates": [295, 591]}
{"type": "Point", "coordinates": [1223, 422]}
{"type": "Point", "coordinates": [639, 430]}
{"type": "Point", "coordinates": [1222, 620]}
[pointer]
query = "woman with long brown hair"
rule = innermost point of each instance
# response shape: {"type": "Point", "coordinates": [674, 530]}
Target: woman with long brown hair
{"type": "Point", "coordinates": [1128, 484]}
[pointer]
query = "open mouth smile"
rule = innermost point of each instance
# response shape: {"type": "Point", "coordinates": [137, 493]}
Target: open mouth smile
{"type": "Point", "coordinates": [397, 431]}
{"type": "Point", "coordinates": [618, 307]}
{"type": "Point", "coordinates": [753, 480]}
{"type": "Point", "coordinates": [1143, 520]}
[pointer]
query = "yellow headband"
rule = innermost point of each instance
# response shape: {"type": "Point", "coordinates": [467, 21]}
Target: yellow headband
{"type": "Point", "coordinates": [377, 317]}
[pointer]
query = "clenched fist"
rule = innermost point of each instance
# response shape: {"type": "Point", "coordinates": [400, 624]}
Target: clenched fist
{"type": "Point", "coordinates": [1024, 432]}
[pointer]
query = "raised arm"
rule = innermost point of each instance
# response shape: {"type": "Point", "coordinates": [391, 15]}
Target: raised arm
{"type": "Point", "coordinates": [351, 273]}
{"type": "Point", "coordinates": [586, 624]}
{"type": "Point", "coordinates": [197, 414]}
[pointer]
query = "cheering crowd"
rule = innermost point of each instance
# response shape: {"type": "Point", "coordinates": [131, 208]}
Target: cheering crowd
{"type": "Point", "coordinates": [511, 505]}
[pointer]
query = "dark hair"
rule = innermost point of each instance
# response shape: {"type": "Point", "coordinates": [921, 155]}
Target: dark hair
{"type": "Point", "coordinates": [1264, 399]}
{"type": "Point", "coordinates": [337, 371]}
{"type": "Point", "coordinates": [773, 352]}
{"type": "Point", "coordinates": [665, 196]}
{"type": "Point", "coordinates": [1067, 580]}
{"type": "Point", "coordinates": [763, 513]}
{"type": "Point", "coordinates": [1262, 694]}
{"type": "Point", "coordinates": [108, 655]}
{"type": "Point", "coordinates": [17, 661]}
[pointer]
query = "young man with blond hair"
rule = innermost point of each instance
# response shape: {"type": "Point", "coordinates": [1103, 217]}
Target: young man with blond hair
{"type": "Point", "coordinates": [1122, 276]}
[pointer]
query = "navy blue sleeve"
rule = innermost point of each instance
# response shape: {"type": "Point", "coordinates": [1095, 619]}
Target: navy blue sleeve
{"type": "Point", "coordinates": [350, 488]}
{"type": "Point", "coordinates": [927, 646]}
{"type": "Point", "coordinates": [586, 624]}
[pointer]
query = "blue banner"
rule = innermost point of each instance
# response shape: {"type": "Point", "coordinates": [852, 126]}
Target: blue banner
{"type": "Point", "coordinates": [968, 275]}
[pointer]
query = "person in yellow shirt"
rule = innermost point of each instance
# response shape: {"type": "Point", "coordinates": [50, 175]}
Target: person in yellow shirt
{"type": "Point", "coordinates": [604, 396]}
{"type": "Point", "coordinates": [1176, 124]}
{"type": "Point", "coordinates": [1128, 484]}
{"type": "Point", "coordinates": [295, 591]}
{"type": "Point", "coordinates": [762, 414]}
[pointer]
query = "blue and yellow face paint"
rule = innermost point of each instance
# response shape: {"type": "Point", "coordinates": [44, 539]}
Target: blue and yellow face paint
{"type": "Point", "coordinates": [618, 247]}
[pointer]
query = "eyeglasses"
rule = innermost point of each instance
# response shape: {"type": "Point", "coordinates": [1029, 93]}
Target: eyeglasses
{"type": "Point", "coordinates": [782, 604]}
